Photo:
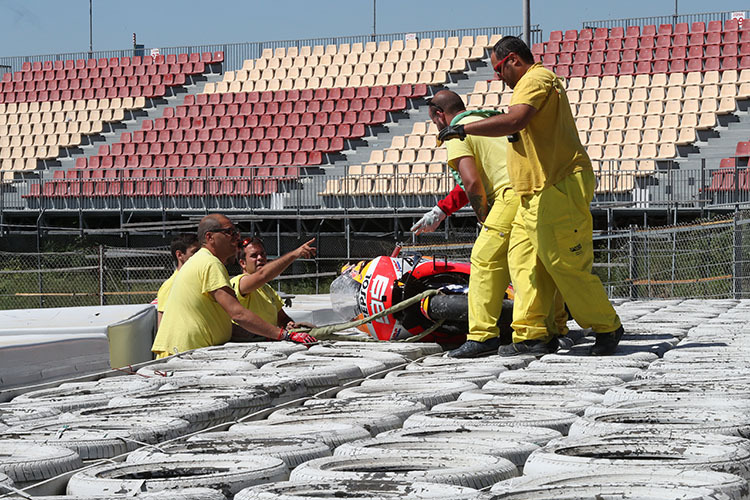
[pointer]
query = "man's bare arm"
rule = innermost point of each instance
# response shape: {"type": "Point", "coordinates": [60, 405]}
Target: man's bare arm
{"type": "Point", "coordinates": [473, 186]}
{"type": "Point", "coordinates": [251, 282]}
{"type": "Point", "coordinates": [516, 119]}
{"type": "Point", "coordinates": [244, 317]}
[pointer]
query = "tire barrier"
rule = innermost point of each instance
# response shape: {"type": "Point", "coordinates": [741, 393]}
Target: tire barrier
{"type": "Point", "coordinates": [515, 451]}
{"type": "Point", "coordinates": [429, 394]}
{"type": "Point", "coordinates": [535, 435]}
{"type": "Point", "coordinates": [213, 445]}
{"type": "Point", "coordinates": [555, 420]}
{"type": "Point", "coordinates": [366, 407]}
{"type": "Point", "coordinates": [644, 451]}
{"type": "Point", "coordinates": [344, 372]}
{"type": "Point", "coordinates": [563, 381]}
{"type": "Point", "coordinates": [367, 366]}
{"type": "Point", "coordinates": [717, 483]}
{"type": "Point", "coordinates": [71, 397]}
{"type": "Point", "coordinates": [475, 376]}
{"type": "Point", "coordinates": [667, 420]}
{"type": "Point", "coordinates": [25, 464]}
{"type": "Point", "coordinates": [474, 471]}
{"type": "Point", "coordinates": [364, 489]}
{"type": "Point", "coordinates": [227, 476]}
{"type": "Point", "coordinates": [469, 401]}
{"type": "Point", "coordinates": [94, 438]}
{"type": "Point", "coordinates": [332, 433]}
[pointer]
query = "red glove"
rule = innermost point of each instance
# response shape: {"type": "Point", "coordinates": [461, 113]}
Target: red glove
{"type": "Point", "coordinates": [298, 337]}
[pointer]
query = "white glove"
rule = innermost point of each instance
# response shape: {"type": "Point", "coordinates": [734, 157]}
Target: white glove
{"type": "Point", "coordinates": [429, 221]}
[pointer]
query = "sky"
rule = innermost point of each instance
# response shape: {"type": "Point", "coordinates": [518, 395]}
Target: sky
{"type": "Point", "coordinates": [29, 27]}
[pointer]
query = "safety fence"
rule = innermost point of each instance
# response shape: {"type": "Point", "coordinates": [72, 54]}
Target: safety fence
{"type": "Point", "coordinates": [702, 259]}
{"type": "Point", "coordinates": [236, 53]}
{"type": "Point", "coordinates": [704, 17]}
{"type": "Point", "coordinates": [620, 183]}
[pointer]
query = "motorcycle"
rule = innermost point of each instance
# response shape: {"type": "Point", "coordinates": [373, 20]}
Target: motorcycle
{"type": "Point", "coordinates": [368, 288]}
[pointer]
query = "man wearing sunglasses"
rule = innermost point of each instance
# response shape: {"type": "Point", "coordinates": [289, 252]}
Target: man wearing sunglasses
{"type": "Point", "coordinates": [551, 247]}
{"type": "Point", "coordinates": [202, 304]}
{"type": "Point", "coordinates": [253, 291]}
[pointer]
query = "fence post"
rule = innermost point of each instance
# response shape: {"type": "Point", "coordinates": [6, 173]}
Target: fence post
{"type": "Point", "coordinates": [737, 257]}
{"type": "Point", "coordinates": [632, 272]}
{"type": "Point", "coordinates": [101, 275]}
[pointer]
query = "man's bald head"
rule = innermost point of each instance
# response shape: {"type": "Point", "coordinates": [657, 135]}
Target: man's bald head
{"type": "Point", "coordinates": [449, 102]}
{"type": "Point", "coordinates": [211, 223]}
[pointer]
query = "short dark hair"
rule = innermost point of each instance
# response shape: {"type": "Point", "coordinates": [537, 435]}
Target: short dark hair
{"type": "Point", "coordinates": [508, 44]}
{"type": "Point", "coordinates": [182, 242]}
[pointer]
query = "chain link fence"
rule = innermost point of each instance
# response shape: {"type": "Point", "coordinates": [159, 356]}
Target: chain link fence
{"type": "Point", "coordinates": [707, 258]}
{"type": "Point", "coordinates": [703, 259]}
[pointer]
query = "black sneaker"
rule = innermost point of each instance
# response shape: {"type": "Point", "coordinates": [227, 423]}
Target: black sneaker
{"type": "Point", "coordinates": [606, 343]}
{"type": "Point", "coordinates": [533, 347]}
{"type": "Point", "coordinates": [473, 349]}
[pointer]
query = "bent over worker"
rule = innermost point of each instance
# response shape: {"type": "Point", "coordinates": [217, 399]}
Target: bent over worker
{"type": "Point", "coordinates": [202, 303]}
{"type": "Point", "coordinates": [551, 247]}
{"type": "Point", "coordinates": [480, 162]}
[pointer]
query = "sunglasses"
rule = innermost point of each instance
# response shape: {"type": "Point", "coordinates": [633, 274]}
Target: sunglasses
{"type": "Point", "coordinates": [232, 232]}
{"type": "Point", "coordinates": [498, 66]}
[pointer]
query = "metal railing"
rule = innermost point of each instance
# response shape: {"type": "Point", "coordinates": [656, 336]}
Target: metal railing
{"type": "Point", "coordinates": [236, 53]}
{"type": "Point", "coordinates": [672, 19]}
{"type": "Point", "coordinates": [293, 193]}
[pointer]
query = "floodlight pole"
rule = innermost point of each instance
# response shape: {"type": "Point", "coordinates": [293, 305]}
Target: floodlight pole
{"type": "Point", "coordinates": [91, 29]}
{"type": "Point", "coordinates": [527, 22]}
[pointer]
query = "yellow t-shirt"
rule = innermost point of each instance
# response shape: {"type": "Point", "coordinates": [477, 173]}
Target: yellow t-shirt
{"type": "Point", "coordinates": [193, 318]}
{"type": "Point", "coordinates": [163, 294]}
{"type": "Point", "coordinates": [549, 148]}
{"type": "Point", "coordinates": [489, 155]}
{"type": "Point", "coordinates": [264, 301]}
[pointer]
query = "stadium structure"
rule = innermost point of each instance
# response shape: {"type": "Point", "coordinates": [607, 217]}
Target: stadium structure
{"type": "Point", "coordinates": [293, 133]}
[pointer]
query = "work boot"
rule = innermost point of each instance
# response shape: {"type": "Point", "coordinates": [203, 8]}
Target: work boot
{"type": "Point", "coordinates": [606, 343]}
{"type": "Point", "coordinates": [473, 349]}
{"type": "Point", "coordinates": [533, 347]}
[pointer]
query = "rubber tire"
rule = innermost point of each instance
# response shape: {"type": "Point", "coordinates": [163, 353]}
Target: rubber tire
{"type": "Point", "coordinates": [555, 420]}
{"type": "Point", "coordinates": [514, 391]}
{"type": "Point", "coordinates": [515, 451]}
{"type": "Point", "coordinates": [201, 412]}
{"type": "Point", "coordinates": [228, 476]}
{"type": "Point", "coordinates": [563, 381]}
{"type": "Point", "coordinates": [510, 363]}
{"type": "Point", "coordinates": [86, 395]}
{"type": "Point", "coordinates": [535, 435]}
{"type": "Point", "coordinates": [25, 464]}
{"type": "Point", "coordinates": [477, 377]}
{"type": "Point", "coordinates": [213, 445]}
{"type": "Point", "coordinates": [363, 489]}
{"type": "Point", "coordinates": [429, 394]}
{"type": "Point", "coordinates": [332, 434]}
{"type": "Point", "coordinates": [14, 414]}
{"type": "Point", "coordinates": [645, 451]}
{"type": "Point", "coordinates": [367, 366]}
{"type": "Point", "coordinates": [98, 438]}
{"type": "Point", "coordinates": [410, 351]}
{"type": "Point", "coordinates": [474, 471]}
{"type": "Point", "coordinates": [344, 372]}
{"type": "Point", "coordinates": [729, 484]}
{"type": "Point", "coordinates": [679, 420]}
{"type": "Point", "coordinates": [469, 401]}
{"type": "Point", "coordinates": [400, 408]}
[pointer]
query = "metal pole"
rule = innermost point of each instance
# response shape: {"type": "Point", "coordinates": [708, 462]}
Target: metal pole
{"type": "Point", "coordinates": [527, 22]}
{"type": "Point", "coordinates": [101, 275]}
{"type": "Point", "coordinates": [91, 29]}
